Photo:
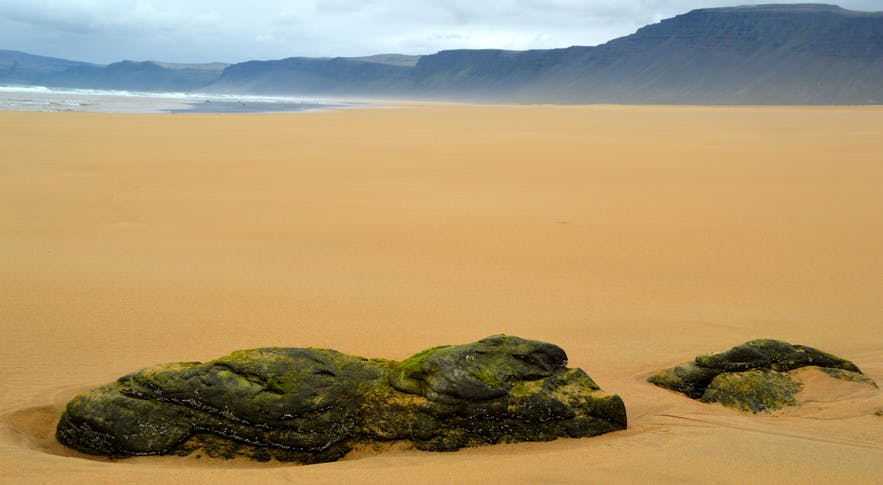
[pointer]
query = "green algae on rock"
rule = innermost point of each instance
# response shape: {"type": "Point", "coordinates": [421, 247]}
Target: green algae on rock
{"type": "Point", "coordinates": [755, 376]}
{"type": "Point", "coordinates": [314, 405]}
{"type": "Point", "coordinates": [754, 390]}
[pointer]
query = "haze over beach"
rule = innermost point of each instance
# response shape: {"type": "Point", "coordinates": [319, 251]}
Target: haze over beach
{"type": "Point", "coordinates": [634, 236]}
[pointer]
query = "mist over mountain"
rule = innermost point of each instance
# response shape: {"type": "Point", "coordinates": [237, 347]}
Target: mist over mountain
{"type": "Point", "coordinates": [138, 76]}
{"type": "Point", "coordinates": [316, 76]}
{"type": "Point", "coordinates": [19, 68]}
{"type": "Point", "coordinates": [766, 54]}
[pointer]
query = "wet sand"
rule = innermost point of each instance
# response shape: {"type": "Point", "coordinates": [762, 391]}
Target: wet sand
{"type": "Point", "coordinates": [634, 237]}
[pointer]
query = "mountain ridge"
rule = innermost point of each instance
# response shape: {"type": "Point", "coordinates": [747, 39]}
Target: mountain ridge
{"type": "Point", "coordinates": [761, 54]}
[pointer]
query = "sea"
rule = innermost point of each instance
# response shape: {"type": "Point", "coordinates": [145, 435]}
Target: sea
{"type": "Point", "coordinates": [38, 98]}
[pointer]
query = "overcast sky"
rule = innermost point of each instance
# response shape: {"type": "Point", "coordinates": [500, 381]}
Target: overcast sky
{"type": "Point", "coordinates": [236, 30]}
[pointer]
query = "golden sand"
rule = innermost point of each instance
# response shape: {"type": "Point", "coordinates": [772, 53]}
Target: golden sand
{"type": "Point", "coordinates": [634, 237]}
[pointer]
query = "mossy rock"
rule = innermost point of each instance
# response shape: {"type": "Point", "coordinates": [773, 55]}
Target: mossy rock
{"type": "Point", "coordinates": [847, 375]}
{"type": "Point", "coordinates": [755, 376]}
{"type": "Point", "coordinates": [689, 379]}
{"type": "Point", "coordinates": [314, 405]}
{"type": "Point", "coordinates": [754, 390]}
{"type": "Point", "coordinates": [772, 354]}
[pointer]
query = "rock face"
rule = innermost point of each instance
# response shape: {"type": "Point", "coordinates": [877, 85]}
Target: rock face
{"type": "Point", "coordinates": [313, 405]}
{"type": "Point", "coordinates": [754, 376]}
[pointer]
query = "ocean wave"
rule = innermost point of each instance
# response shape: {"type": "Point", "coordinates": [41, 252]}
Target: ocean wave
{"type": "Point", "coordinates": [44, 98]}
{"type": "Point", "coordinates": [187, 96]}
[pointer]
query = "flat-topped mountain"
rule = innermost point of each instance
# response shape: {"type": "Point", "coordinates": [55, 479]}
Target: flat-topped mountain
{"type": "Point", "coordinates": [798, 54]}
{"type": "Point", "coordinates": [764, 54]}
{"type": "Point", "coordinates": [788, 7]}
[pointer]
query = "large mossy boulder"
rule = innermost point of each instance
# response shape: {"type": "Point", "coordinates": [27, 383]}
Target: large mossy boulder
{"type": "Point", "coordinates": [314, 405]}
{"type": "Point", "coordinates": [755, 376]}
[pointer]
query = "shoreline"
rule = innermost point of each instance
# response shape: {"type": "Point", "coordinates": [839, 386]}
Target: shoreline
{"type": "Point", "coordinates": [44, 99]}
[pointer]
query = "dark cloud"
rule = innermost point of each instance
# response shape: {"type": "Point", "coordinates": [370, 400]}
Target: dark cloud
{"type": "Point", "coordinates": [226, 30]}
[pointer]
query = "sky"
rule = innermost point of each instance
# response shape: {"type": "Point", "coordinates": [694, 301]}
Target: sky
{"type": "Point", "coordinates": [105, 31]}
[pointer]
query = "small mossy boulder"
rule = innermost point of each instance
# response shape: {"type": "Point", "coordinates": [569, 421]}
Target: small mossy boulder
{"type": "Point", "coordinates": [755, 376]}
{"type": "Point", "coordinates": [314, 405]}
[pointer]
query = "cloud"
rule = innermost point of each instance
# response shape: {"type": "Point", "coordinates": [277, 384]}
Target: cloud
{"type": "Point", "coordinates": [228, 30]}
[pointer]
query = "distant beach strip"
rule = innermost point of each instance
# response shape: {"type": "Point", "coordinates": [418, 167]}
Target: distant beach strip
{"type": "Point", "coordinates": [38, 98]}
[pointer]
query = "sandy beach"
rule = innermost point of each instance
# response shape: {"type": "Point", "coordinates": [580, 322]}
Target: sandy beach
{"type": "Point", "coordinates": [633, 237]}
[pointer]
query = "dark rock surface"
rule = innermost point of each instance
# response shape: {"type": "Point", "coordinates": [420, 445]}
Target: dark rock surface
{"type": "Point", "coordinates": [754, 376]}
{"type": "Point", "coordinates": [314, 405]}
